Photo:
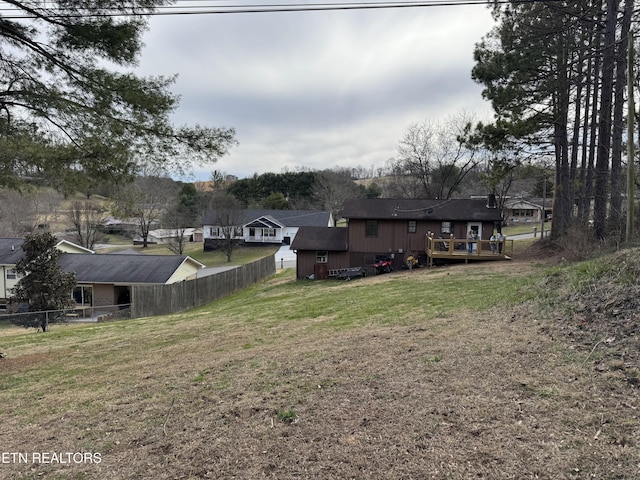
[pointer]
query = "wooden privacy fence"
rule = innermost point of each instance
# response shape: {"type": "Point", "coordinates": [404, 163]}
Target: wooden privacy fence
{"type": "Point", "coordinates": [150, 300]}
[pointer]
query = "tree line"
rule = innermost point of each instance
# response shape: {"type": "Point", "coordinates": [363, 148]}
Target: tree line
{"type": "Point", "coordinates": [556, 76]}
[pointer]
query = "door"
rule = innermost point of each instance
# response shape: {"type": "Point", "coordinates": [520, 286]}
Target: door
{"type": "Point", "coordinates": [476, 228]}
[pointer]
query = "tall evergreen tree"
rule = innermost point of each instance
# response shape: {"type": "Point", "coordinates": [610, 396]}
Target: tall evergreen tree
{"type": "Point", "coordinates": [43, 284]}
{"type": "Point", "coordinates": [550, 70]}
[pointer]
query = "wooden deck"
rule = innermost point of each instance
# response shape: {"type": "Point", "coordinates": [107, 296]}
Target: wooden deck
{"type": "Point", "coordinates": [457, 249]}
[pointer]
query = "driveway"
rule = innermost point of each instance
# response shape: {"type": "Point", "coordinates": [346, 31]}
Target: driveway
{"type": "Point", "coordinates": [285, 257]}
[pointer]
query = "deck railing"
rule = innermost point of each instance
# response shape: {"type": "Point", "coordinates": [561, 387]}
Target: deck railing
{"type": "Point", "coordinates": [463, 249]}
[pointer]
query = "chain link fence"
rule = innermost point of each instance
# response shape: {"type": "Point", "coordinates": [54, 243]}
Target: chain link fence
{"type": "Point", "coordinates": [78, 314]}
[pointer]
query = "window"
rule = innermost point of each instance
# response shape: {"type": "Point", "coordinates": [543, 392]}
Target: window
{"type": "Point", "coordinates": [412, 226]}
{"type": "Point", "coordinates": [214, 231]}
{"type": "Point", "coordinates": [238, 232]}
{"type": "Point", "coordinates": [268, 232]}
{"type": "Point", "coordinates": [446, 227]}
{"type": "Point", "coordinates": [12, 274]}
{"type": "Point", "coordinates": [521, 212]}
{"type": "Point", "coordinates": [83, 295]}
{"type": "Point", "coordinates": [322, 256]}
{"type": "Point", "coordinates": [371, 228]}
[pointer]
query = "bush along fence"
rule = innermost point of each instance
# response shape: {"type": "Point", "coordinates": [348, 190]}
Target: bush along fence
{"type": "Point", "coordinates": [151, 300]}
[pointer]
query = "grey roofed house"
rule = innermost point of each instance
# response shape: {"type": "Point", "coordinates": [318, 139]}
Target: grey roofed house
{"type": "Point", "coordinates": [260, 226]}
{"type": "Point", "coordinates": [289, 218]}
{"type": "Point", "coordinates": [321, 238]}
{"type": "Point", "coordinates": [115, 268]}
{"type": "Point", "coordinates": [454, 209]}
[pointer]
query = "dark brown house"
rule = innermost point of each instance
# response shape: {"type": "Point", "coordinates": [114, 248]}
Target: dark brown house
{"type": "Point", "coordinates": [397, 229]}
{"type": "Point", "coordinates": [321, 251]}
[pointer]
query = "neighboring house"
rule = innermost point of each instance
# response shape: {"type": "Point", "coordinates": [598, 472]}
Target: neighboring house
{"type": "Point", "coordinates": [320, 251]}
{"type": "Point", "coordinates": [397, 228]}
{"type": "Point", "coordinates": [265, 226]}
{"type": "Point", "coordinates": [123, 226]}
{"type": "Point", "coordinates": [106, 279]}
{"type": "Point", "coordinates": [533, 210]}
{"type": "Point", "coordinates": [102, 279]}
{"type": "Point", "coordinates": [167, 235]}
{"type": "Point", "coordinates": [10, 253]}
{"type": "Point", "coordinates": [68, 247]}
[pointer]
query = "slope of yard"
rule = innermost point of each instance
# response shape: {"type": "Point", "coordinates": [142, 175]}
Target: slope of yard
{"type": "Point", "coordinates": [450, 373]}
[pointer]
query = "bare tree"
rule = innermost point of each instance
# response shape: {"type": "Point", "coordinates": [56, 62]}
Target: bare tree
{"type": "Point", "coordinates": [228, 218]}
{"type": "Point", "coordinates": [332, 187]}
{"type": "Point", "coordinates": [434, 158]}
{"type": "Point", "coordinates": [18, 214]}
{"type": "Point", "coordinates": [178, 219]}
{"type": "Point", "coordinates": [86, 220]}
{"type": "Point", "coordinates": [145, 201]}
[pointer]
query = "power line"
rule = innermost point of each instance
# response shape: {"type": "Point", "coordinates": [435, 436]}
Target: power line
{"type": "Point", "coordinates": [218, 8]}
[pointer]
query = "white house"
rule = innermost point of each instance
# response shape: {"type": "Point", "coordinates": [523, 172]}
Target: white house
{"type": "Point", "coordinates": [519, 210]}
{"type": "Point", "coordinates": [266, 226]}
{"type": "Point", "coordinates": [168, 235]}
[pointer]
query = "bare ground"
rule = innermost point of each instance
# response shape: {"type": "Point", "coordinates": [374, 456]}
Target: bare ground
{"type": "Point", "coordinates": [511, 394]}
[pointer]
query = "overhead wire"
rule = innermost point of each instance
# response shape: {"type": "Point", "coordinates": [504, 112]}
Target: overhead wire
{"type": "Point", "coordinates": [213, 7]}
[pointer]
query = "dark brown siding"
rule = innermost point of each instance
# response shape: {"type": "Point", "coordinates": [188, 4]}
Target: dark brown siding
{"type": "Point", "coordinates": [306, 260]}
{"type": "Point", "coordinates": [394, 239]}
{"type": "Point", "coordinates": [393, 236]}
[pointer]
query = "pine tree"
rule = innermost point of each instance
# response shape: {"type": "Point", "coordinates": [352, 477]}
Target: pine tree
{"type": "Point", "coordinates": [43, 284]}
{"type": "Point", "coordinates": [67, 116]}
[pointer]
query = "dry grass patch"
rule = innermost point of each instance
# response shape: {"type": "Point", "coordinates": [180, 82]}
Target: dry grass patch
{"type": "Point", "coordinates": [290, 380]}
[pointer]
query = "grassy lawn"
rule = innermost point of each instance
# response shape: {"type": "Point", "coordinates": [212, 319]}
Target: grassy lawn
{"type": "Point", "coordinates": [444, 373]}
{"type": "Point", "coordinates": [517, 229]}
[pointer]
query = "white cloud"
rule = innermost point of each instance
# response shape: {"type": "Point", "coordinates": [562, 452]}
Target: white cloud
{"type": "Point", "coordinates": [318, 89]}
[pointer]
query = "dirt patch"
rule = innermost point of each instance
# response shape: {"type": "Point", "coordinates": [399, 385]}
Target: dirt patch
{"type": "Point", "coordinates": [26, 362]}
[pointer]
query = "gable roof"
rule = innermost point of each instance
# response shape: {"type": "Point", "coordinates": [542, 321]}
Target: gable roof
{"type": "Point", "coordinates": [124, 269]}
{"type": "Point", "coordinates": [11, 249]}
{"type": "Point", "coordinates": [70, 247]}
{"type": "Point", "coordinates": [266, 221]}
{"type": "Point", "coordinates": [453, 209]}
{"type": "Point", "coordinates": [287, 218]}
{"type": "Point", "coordinates": [535, 203]}
{"type": "Point", "coordinates": [321, 238]}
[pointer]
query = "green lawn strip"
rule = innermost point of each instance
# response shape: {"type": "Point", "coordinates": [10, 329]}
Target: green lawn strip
{"type": "Point", "coordinates": [136, 368]}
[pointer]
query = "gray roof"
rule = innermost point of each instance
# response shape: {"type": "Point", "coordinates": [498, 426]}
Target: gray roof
{"type": "Point", "coordinates": [288, 218]}
{"type": "Point", "coordinates": [10, 250]}
{"type": "Point", "coordinates": [123, 269]}
{"type": "Point", "coordinates": [454, 209]}
{"type": "Point", "coordinates": [534, 201]}
{"type": "Point", "coordinates": [321, 238]}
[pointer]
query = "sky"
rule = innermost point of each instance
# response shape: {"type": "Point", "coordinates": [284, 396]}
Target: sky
{"type": "Point", "coordinates": [316, 90]}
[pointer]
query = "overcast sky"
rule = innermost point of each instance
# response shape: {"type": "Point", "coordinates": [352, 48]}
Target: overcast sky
{"type": "Point", "coordinates": [318, 89]}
